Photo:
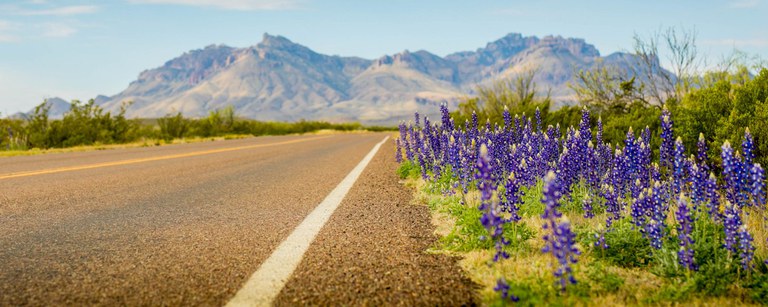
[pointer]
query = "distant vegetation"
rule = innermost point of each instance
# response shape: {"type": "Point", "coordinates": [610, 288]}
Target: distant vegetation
{"type": "Point", "coordinates": [87, 124]}
{"type": "Point", "coordinates": [719, 102]}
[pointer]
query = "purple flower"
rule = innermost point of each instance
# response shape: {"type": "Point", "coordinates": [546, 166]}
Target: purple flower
{"type": "Point", "coordinates": [398, 151]}
{"type": "Point", "coordinates": [679, 167]}
{"type": "Point", "coordinates": [584, 126]}
{"type": "Point", "coordinates": [748, 146]}
{"type": "Point", "coordinates": [698, 185]}
{"type": "Point", "coordinates": [512, 195]}
{"type": "Point", "coordinates": [447, 122]}
{"type": "Point", "coordinates": [538, 119]}
{"type": "Point", "coordinates": [684, 230]}
{"type": "Point", "coordinates": [639, 210]}
{"type": "Point", "coordinates": [600, 240]}
{"type": "Point", "coordinates": [713, 197]}
{"type": "Point", "coordinates": [656, 224]}
{"type": "Point", "coordinates": [612, 206]}
{"type": "Point", "coordinates": [731, 174]}
{"type": "Point", "coordinates": [404, 132]}
{"type": "Point", "coordinates": [559, 239]}
{"type": "Point", "coordinates": [757, 177]}
{"type": "Point", "coordinates": [587, 206]}
{"type": "Point", "coordinates": [503, 288]}
{"type": "Point", "coordinates": [491, 218]}
{"type": "Point", "coordinates": [747, 250]}
{"type": "Point", "coordinates": [732, 223]}
{"type": "Point", "coordinates": [666, 151]}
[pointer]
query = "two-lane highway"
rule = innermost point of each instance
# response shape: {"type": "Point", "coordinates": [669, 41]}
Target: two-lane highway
{"type": "Point", "coordinates": [172, 225]}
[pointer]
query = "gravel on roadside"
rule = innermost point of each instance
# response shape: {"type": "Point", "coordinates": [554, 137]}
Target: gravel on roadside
{"type": "Point", "coordinates": [373, 251]}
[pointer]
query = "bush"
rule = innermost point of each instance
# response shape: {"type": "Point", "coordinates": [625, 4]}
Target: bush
{"type": "Point", "coordinates": [626, 246]}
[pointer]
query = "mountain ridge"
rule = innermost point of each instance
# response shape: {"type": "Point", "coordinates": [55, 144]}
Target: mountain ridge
{"type": "Point", "coordinates": [278, 79]}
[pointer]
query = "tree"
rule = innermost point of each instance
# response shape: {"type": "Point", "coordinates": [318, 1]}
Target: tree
{"type": "Point", "coordinates": [643, 79]}
{"type": "Point", "coordinates": [609, 88]}
{"type": "Point", "coordinates": [519, 95]}
{"type": "Point", "coordinates": [683, 60]}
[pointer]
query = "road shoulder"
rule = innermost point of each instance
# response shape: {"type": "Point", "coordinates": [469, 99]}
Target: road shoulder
{"type": "Point", "coordinates": [373, 251]}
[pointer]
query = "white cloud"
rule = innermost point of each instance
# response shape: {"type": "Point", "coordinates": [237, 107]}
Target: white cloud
{"type": "Point", "coordinates": [58, 30]}
{"type": "Point", "coordinates": [744, 4]}
{"type": "Point", "coordinates": [61, 11]}
{"type": "Point", "coordinates": [753, 42]}
{"type": "Point", "coordinates": [6, 28]}
{"type": "Point", "coordinates": [240, 5]}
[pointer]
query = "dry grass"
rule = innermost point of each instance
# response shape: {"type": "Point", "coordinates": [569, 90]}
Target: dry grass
{"type": "Point", "coordinates": [153, 142]}
{"type": "Point", "coordinates": [140, 143]}
{"type": "Point", "coordinates": [528, 265]}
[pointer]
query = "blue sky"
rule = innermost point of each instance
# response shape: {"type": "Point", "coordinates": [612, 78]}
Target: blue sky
{"type": "Point", "coordinates": [77, 49]}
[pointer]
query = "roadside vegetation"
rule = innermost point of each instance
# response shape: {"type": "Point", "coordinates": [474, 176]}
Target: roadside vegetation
{"type": "Point", "coordinates": [649, 192]}
{"type": "Point", "coordinates": [87, 125]}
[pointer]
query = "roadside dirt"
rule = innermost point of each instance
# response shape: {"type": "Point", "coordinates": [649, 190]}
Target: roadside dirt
{"type": "Point", "coordinates": [373, 251]}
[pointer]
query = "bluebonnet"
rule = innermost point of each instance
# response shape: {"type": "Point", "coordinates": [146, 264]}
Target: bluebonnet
{"type": "Point", "coordinates": [503, 288]}
{"type": "Point", "coordinates": [747, 250]}
{"type": "Point", "coordinates": [656, 224]}
{"type": "Point", "coordinates": [620, 174]}
{"type": "Point", "coordinates": [612, 206]}
{"type": "Point", "coordinates": [698, 185]}
{"type": "Point", "coordinates": [404, 141]}
{"type": "Point", "coordinates": [584, 126]}
{"type": "Point", "coordinates": [398, 151]}
{"type": "Point", "coordinates": [640, 209]}
{"type": "Point", "coordinates": [713, 198]}
{"type": "Point", "coordinates": [747, 147]}
{"type": "Point", "coordinates": [587, 207]}
{"type": "Point", "coordinates": [731, 173]}
{"type": "Point", "coordinates": [538, 119]}
{"type": "Point", "coordinates": [684, 234]}
{"type": "Point", "coordinates": [630, 152]}
{"type": "Point", "coordinates": [757, 178]}
{"type": "Point", "coordinates": [600, 240]}
{"type": "Point", "coordinates": [666, 151]}
{"type": "Point", "coordinates": [678, 173]}
{"type": "Point", "coordinates": [512, 195]}
{"type": "Point", "coordinates": [491, 218]}
{"type": "Point", "coordinates": [701, 154]}
{"type": "Point", "coordinates": [732, 223]}
{"type": "Point", "coordinates": [507, 119]}
{"type": "Point", "coordinates": [447, 122]}
{"type": "Point", "coordinates": [559, 239]}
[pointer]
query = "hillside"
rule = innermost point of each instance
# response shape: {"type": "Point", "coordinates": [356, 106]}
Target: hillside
{"type": "Point", "coordinates": [278, 79]}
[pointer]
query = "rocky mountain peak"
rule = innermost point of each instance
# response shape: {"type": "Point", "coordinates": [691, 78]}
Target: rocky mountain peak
{"type": "Point", "coordinates": [275, 41]}
{"type": "Point", "coordinates": [576, 46]}
{"type": "Point", "coordinates": [277, 79]}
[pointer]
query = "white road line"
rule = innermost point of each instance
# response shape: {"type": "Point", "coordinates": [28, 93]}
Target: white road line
{"type": "Point", "coordinates": [267, 282]}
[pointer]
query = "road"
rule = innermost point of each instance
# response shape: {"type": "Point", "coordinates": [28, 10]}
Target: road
{"type": "Point", "coordinates": [188, 225]}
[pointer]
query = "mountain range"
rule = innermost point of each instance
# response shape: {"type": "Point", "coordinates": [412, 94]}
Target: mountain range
{"type": "Point", "coordinates": [278, 79]}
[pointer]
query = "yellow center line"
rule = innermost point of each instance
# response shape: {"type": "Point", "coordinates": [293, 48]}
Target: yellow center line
{"type": "Point", "coordinates": [142, 160]}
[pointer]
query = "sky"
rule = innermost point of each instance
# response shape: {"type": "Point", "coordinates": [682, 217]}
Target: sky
{"type": "Point", "coordinates": [77, 49]}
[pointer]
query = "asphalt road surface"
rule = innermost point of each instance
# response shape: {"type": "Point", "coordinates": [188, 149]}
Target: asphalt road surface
{"type": "Point", "coordinates": [188, 225]}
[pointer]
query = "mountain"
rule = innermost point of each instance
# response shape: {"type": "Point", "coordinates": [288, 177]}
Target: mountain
{"type": "Point", "coordinates": [56, 109]}
{"type": "Point", "coordinates": [278, 79]}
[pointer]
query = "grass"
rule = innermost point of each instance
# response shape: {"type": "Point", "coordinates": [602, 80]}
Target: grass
{"type": "Point", "coordinates": [140, 143]}
{"type": "Point", "coordinates": [152, 143]}
{"type": "Point", "coordinates": [629, 273]}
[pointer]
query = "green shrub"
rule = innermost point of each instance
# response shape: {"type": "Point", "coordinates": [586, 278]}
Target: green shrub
{"type": "Point", "coordinates": [607, 281]}
{"type": "Point", "coordinates": [408, 169]}
{"type": "Point", "coordinates": [626, 246]}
